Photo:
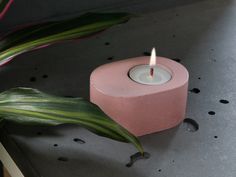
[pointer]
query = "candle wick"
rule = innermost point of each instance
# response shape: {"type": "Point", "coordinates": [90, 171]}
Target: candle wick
{"type": "Point", "coordinates": [151, 72]}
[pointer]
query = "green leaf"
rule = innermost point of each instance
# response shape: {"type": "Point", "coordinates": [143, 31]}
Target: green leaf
{"type": "Point", "coordinates": [38, 35]}
{"type": "Point", "coordinates": [4, 5]}
{"type": "Point", "coordinates": [30, 106]}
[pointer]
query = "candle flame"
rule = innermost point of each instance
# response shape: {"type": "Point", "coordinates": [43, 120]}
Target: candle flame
{"type": "Point", "coordinates": [153, 58]}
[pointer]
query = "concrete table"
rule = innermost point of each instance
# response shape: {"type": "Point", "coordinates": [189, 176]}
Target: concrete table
{"type": "Point", "coordinates": [201, 35]}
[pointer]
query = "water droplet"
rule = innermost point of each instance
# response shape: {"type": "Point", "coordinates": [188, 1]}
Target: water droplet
{"type": "Point", "coordinates": [190, 125]}
{"type": "Point", "coordinates": [137, 156]}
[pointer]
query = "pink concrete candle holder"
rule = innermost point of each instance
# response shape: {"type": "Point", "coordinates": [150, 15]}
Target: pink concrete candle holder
{"type": "Point", "coordinates": [140, 108]}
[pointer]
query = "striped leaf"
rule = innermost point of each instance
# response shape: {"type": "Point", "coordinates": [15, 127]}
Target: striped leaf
{"type": "Point", "coordinates": [47, 33]}
{"type": "Point", "coordinates": [30, 106]}
{"type": "Point", "coordinates": [4, 5]}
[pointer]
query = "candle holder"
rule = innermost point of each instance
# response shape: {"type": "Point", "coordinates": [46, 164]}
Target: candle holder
{"type": "Point", "coordinates": [142, 109]}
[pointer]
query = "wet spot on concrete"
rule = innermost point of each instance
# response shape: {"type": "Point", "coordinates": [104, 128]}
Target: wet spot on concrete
{"type": "Point", "coordinates": [177, 60]}
{"type": "Point", "coordinates": [211, 113]}
{"type": "Point", "coordinates": [39, 133]}
{"type": "Point", "coordinates": [224, 101]}
{"type": "Point", "coordinates": [33, 79]}
{"type": "Point", "coordinates": [195, 90]}
{"type": "Point", "coordinates": [110, 58]}
{"type": "Point", "coordinates": [63, 159]}
{"type": "Point", "coordinates": [45, 76]}
{"type": "Point", "coordinates": [146, 53]}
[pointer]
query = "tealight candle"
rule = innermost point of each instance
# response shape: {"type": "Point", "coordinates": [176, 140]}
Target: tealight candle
{"type": "Point", "coordinates": [140, 74]}
{"type": "Point", "coordinates": [150, 74]}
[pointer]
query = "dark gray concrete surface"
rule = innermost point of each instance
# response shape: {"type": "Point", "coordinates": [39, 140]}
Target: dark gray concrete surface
{"type": "Point", "coordinates": [202, 34]}
{"type": "Point", "coordinates": [31, 11]}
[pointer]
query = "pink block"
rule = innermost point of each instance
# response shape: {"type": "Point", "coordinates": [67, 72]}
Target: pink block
{"type": "Point", "coordinates": [141, 109]}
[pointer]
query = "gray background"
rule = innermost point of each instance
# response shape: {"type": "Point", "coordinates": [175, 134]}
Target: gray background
{"type": "Point", "coordinates": [200, 33]}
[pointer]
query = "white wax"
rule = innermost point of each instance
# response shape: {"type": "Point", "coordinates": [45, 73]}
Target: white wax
{"type": "Point", "coordinates": [141, 74]}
